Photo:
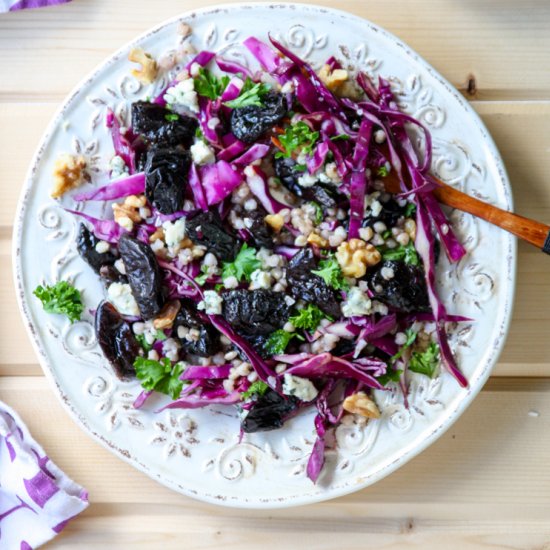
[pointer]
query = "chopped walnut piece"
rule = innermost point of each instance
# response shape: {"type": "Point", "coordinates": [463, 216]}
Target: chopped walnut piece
{"type": "Point", "coordinates": [332, 79]}
{"type": "Point", "coordinates": [166, 316]}
{"type": "Point", "coordinates": [317, 240]}
{"type": "Point", "coordinates": [127, 212]}
{"type": "Point", "coordinates": [148, 71]}
{"type": "Point", "coordinates": [355, 255]}
{"type": "Point", "coordinates": [68, 173]}
{"type": "Point", "coordinates": [157, 235]}
{"type": "Point", "coordinates": [360, 403]}
{"type": "Point", "coordinates": [275, 221]}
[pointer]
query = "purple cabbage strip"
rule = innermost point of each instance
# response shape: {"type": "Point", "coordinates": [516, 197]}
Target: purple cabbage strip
{"type": "Point", "coordinates": [315, 161]}
{"type": "Point", "coordinates": [232, 90]}
{"type": "Point", "coordinates": [106, 230]}
{"type": "Point", "coordinates": [232, 67]}
{"type": "Point", "coordinates": [232, 150]}
{"type": "Point", "coordinates": [256, 152]}
{"type": "Point", "coordinates": [359, 179]}
{"type": "Point", "coordinates": [121, 145]}
{"type": "Point", "coordinates": [317, 458]}
{"type": "Point", "coordinates": [218, 181]}
{"type": "Point", "coordinates": [197, 188]}
{"type": "Point", "coordinates": [268, 58]}
{"type": "Point", "coordinates": [202, 58]}
{"type": "Point", "coordinates": [131, 185]}
{"type": "Point", "coordinates": [203, 400]}
{"type": "Point", "coordinates": [185, 276]}
{"type": "Point", "coordinates": [196, 372]}
{"type": "Point", "coordinates": [257, 182]}
{"type": "Point", "coordinates": [425, 246]}
{"type": "Point", "coordinates": [208, 110]}
{"type": "Point", "coordinates": [142, 398]}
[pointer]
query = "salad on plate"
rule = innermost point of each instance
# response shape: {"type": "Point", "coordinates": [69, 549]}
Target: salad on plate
{"type": "Point", "coordinates": [250, 253]}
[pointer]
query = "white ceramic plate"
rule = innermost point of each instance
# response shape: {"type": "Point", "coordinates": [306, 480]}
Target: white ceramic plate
{"type": "Point", "coordinates": [197, 452]}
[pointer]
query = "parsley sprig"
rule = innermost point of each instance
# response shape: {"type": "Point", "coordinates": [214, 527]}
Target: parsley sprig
{"type": "Point", "coordinates": [407, 253]}
{"type": "Point", "coordinates": [244, 264]}
{"type": "Point", "coordinates": [61, 298]}
{"type": "Point", "coordinates": [208, 85]}
{"type": "Point", "coordinates": [257, 389]}
{"type": "Point", "coordinates": [252, 93]}
{"type": "Point", "coordinates": [329, 270]}
{"type": "Point", "coordinates": [297, 136]}
{"type": "Point", "coordinates": [278, 341]}
{"type": "Point", "coordinates": [308, 318]}
{"type": "Point", "coordinates": [160, 375]}
{"type": "Point", "coordinates": [410, 339]}
{"type": "Point", "coordinates": [425, 362]}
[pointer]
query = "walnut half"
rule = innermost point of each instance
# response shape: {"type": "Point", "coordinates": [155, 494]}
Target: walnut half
{"type": "Point", "coordinates": [127, 212]}
{"type": "Point", "coordinates": [167, 315]}
{"type": "Point", "coordinates": [148, 71]}
{"type": "Point", "coordinates": [355, 255]}
{"type": "Point", "coordinates": [360, 403]}
{"type": "Point", "coordinates": [68, 173]}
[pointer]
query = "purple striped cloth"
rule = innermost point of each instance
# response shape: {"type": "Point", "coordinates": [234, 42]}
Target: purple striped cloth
{"type": "Point", "coordinates": [37, 499]}
{"type": "Point", "coordinates": [14, 5]}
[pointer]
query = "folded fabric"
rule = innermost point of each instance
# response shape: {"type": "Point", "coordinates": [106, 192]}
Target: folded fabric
{"type": "Point", "coordinates": [14, 5]}
{"type": "Point", "coordinates": [37, 499]}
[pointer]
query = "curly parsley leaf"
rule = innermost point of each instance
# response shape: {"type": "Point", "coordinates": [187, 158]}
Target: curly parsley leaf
{"type": "Point", "coordinates": [390, 376]}
{"type": "Point", "coordinates": [61, 298]}
{"type": "Point", "coordinates": [406, 253]}
{"type": "Point", "coordinates": [257, 389]}
{"type": "Point", "coordinates": [278, 341]}
{"type": "Point", "coordinates": [383, 171]}
{"type": "Point", "coordinates": [308, 318]}
{"type": "Point", "coordinates": [252, 93]}
{"type": "Point", "coordinates": [171, 117]}
{"type": "Point", "coordinates": [243, 266]}
{"type": "Point", "coordinates": [411, 338]}
{"type": "Point", "coordinates": [159, 375]}
{"type": "Point", "coordinates": [329, 270]}
{"type": "Point", "coordinates": [425, 362]}
{"type": "Point", "coordinates": [143, 342]}
{"type": "Point", "coordinates": [208, 85]}
{"type": "Point", "coordinates": [201, 279]}
{"type": "Point", "coordinates": [410, 210]}
{"type": "Point", "coordinates": [297, 136]}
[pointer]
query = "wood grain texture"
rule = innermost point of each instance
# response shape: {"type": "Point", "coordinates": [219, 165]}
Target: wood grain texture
{"type": "Point", "coordinates": [484, 484]}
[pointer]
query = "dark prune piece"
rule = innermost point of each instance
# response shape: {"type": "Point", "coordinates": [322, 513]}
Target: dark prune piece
{"type": "Point", "coordinates": [206, 228]}
{"type": "Point", "coordinates": [149, 120]}
{"type": "Point", "coordinates": [285, 170]}
{"type": "Point", "coordinates": [166, 173]}
{"type": "Point", "coordinates": [144, 275]}
{"type": "Point", "coordinates": [85, 244]}
{"type": "Point", "coordinates": [405, 291]}
{"type": "Point", "coordinates": [305, 285]}
{"type": "Point", "coordinates": [254, 312]}
{"type": "Point", "coordinates": [208, 342]}
{"type": "Point", "coordinates": [269, 412]}
{"type": "Point", "coordinates": [110, 274]}
{"type": "Point", "coordinates": [116, 339]}
{"type": "Point", "coordinates": [249, 123]}
{"type": "Point", "coordinates": [262, 234]}
{"type": "Point", "coordinates": [343, 347]}
{"type": "Point", "coordinates": [390, 213]}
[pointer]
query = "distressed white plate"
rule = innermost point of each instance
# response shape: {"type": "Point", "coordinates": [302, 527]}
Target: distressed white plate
{"type": "Point", "coordinates": [197, 452]}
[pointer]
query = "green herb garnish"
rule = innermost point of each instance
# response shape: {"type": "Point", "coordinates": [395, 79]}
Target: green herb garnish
{"type": "Point", "coordinates": [383, 171]}
{"type": "Point", "coordinates": [171, 117]}
{"type": "Point", "coordinates": [308, 318]}
{"type": "Point", "coordinates": [390, 376]}
{"type": "Point", "coordinates": [201, 279]}
{"type": "Point", "coordinates": [298, 135]}
{"type": "Point", "coordinates": [411, 337]}
{"type": "Point", "coordinates": [329, 270]}
{"type": "Point", "coordinates": [61, 298]}
{"type": "Point", "coordinates": [159, 375]}
{"type": "Point", "coordinates": [143, 342]}
{"type": "Point", "coordinates": [340, 137]}
{"type": "Point", "coordinates": [243, 266]}
{"type": "Point", "coordinates": [278, 341]}
{"type": "Point", "coordinates": [425, 362]}
{"type": "Point", "coordinates": [257, 389]}
{"type": "Point", "coordinates": [251, 93]}
{"type": "Point", "coordinates": [318, 212]}
{"type": "Point", "coordinates": [208, 85]}
{"type": "Point", "coordinates": [406, 253]}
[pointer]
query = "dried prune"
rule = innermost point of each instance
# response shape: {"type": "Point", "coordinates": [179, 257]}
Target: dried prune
{"type": "Point", "coordinates": [254, 312]}
{"type": "Point", "coordinates": [116, 339]}
{"type": "Point", "coordinates": [305, 285]}
{"type": "Point", "coordinates": [110, 274]}
{"type": "Point", "coordinates": [144, 275]}
{"type": "Point", "coordinates": [405, 291]}
{"type": "Point", "coordinates": [389, 214]}
{"type": "Point", "coordinates": [269, 412]}
{"type": "Point", "coordinates": [206, 228]}
{"type": "Point", "coordinates": [208, 341]}
{"type": "Point", "coordinates": [249, 123]}
{"type": "Point", "coordinates": [86, 243]}
{"type": "Point", "coordinates": [260, 231]}
{"type": "Point", "coordinates": [155, 124]}
{"type": "Point", "coordinates": [166, 178]}
{"type": "Point", "coordinates": [343, 347]}
{"type": "Point", "coordinates": [285, 170]}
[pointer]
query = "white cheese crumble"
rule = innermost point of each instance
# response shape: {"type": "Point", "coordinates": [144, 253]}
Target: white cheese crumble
{"type": "Point", "coordinates": [118, 167]}
{"type": "Point", "coordinates": [308, 180]}
{"type": "Point", "coordinates": [102, 247]}
{"type": "Point", "coordinates": [183, 93]}
{"type": "Point", "coordinates": [120, 267]}
{"type": "Point", "coordinates": [356, 303]}
{"type": "Point", "coordinates": [212, 303]}
{"type": "Point", "coordinates": [302, 388]}
{"type": "Point", "coordinates": [174, 232]}
{"type": "Point", "coordinates": [260, 279]}
{"type": "Point", "coordinates": [121, 297]}
{"type": "Point", "coordinates": [202, 153]}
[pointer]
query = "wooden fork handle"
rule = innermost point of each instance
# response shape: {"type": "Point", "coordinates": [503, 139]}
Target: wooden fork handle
{"type": "Point", "coordinates": [533, 232]}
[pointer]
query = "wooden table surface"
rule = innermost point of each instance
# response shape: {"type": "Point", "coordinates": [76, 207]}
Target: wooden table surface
{"type": "Point", "coordinates": [485, 483]}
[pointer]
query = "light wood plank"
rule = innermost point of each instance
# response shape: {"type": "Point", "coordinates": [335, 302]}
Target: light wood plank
{"type": "Point", "coordinates": [502, 46]}
{"type": "Point", "coordinates": [484, 482]}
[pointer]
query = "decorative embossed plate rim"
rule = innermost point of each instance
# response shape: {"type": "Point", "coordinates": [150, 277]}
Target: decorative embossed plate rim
{"type": "Point", "coordinates": [500, 287]}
